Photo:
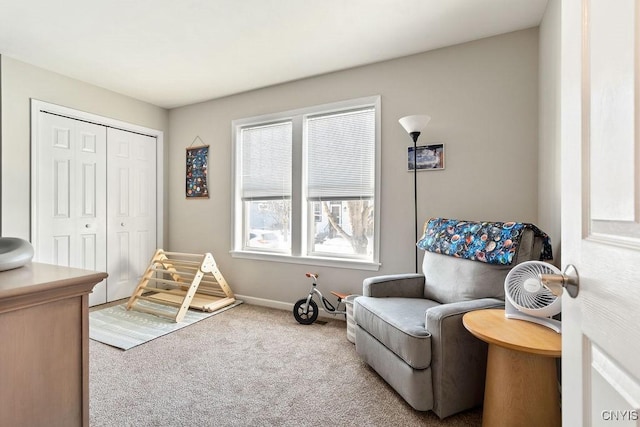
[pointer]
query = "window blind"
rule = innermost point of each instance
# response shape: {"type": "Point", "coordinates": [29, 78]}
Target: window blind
{"type": "Point", "coordinates": [341, 155]}
{"type": "Point", "coordinates": [266, 161]}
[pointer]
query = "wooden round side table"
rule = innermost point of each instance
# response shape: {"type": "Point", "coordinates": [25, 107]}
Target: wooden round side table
{"type": "Point", "coordinates": [521, 387]}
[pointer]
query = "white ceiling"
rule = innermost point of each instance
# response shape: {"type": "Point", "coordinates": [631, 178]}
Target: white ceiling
{"type": "Point", "coordinates": [176, 52]}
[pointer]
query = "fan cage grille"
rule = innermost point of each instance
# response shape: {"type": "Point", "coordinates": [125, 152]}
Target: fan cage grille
{"type": "Point", "coordinates": [539, 299]}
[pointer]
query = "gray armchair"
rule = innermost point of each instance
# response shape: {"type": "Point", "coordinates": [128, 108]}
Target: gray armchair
{"type": "Point", "coordinates": [409, 327]}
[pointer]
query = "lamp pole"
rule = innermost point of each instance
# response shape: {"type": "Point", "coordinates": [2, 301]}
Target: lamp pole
{"type": "Point", "coordinates": [414, 125]}
{"type": "Point", "coordinates": [414, 136]}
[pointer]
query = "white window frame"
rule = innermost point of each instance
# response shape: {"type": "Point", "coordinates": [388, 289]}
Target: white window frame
{"type": "Point", "coordinates": [299, 211]}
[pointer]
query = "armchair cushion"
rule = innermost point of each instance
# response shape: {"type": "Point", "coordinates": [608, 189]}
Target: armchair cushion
{"type": "Point", "coordinates": [398, 323]}
{"type": "Point", "coordinates": [449, 279]}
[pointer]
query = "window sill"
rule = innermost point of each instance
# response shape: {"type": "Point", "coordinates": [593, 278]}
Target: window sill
{"type": "Point", "coordinates": [309, 260]}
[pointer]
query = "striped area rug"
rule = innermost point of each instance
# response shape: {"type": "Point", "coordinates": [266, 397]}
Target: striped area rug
{"type": "Point", "coordinates": [117, 327]}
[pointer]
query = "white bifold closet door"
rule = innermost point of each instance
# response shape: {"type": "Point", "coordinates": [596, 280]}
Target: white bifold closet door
{"type": "Point", "coordinates": [95, 201]}
{"type": "Point", "coordinates": [131, 209]}
{"type": "Point", "coordinates": [71, 207]}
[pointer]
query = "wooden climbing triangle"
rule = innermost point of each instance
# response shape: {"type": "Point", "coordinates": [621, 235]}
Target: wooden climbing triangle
{"type": "Point", "coordinates": [182, 281]}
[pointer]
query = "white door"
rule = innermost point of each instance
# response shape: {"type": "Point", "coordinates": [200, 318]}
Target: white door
{"type": "Point", "coordinates": [131, 190]}
{"type": "Point", "coordinates": [600, 134]}
{"type": "Point", "coordinates": [69, 182]}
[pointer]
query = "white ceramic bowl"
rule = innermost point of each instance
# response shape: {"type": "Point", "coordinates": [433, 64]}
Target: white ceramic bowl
{"type": "Point", "coordinates": [14, 253]}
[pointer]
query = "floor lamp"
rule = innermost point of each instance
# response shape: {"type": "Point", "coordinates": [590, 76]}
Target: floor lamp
{"type": "Point", "coordinates": [414, 125]}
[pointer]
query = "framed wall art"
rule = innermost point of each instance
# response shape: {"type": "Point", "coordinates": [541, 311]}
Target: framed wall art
{"type": "Point", "coordinates": [196, 172]}
{"type": "Point", "coordinates": [427, 158]}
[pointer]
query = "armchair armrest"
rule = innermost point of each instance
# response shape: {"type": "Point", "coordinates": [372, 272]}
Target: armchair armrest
{"type": "Point", "coordinates": [435, 315]}
{"type": "Point", "coordinates": [458, 359]}
{"type": "Point", "coordinates": [395, 285]}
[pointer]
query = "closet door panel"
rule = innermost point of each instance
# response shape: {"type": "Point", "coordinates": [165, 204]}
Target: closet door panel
{"type": "Point", "coordinates": [69, 184]}
{"type": "Point", "coordinates": [131, 160]}
{"type": "Point", "coordinates": [61, 253]}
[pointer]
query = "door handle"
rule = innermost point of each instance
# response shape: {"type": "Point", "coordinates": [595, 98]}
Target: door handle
{"type": "Point", "coordinates": [569, 280]}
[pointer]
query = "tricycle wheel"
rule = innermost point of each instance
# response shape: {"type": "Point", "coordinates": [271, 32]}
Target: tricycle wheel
{"type": "Point", "coordinates": [311, 313]}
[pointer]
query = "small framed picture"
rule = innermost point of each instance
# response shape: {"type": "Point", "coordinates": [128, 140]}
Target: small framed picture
{"type": "Point", "coordinates": [427, 158]}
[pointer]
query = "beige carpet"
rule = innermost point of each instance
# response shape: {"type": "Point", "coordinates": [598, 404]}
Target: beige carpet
{"type": "Point", "coordinates": [250, 366]}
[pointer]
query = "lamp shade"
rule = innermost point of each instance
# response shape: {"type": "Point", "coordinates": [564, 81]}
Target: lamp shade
{"type": "Point", "coordinates": [414, 123]}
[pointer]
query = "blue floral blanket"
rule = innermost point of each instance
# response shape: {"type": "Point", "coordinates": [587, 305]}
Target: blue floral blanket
{"type": "Point", "coordinates": [490, 242]}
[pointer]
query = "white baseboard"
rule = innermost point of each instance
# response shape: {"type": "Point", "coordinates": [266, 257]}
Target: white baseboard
{"type": "Point", "coordinates": [286, 306]}
{"type": "Point", "coordinates": [265, 302]}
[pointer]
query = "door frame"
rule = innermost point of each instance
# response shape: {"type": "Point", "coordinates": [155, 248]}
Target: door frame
{"type": "Point", "coordinates": [38, 106]}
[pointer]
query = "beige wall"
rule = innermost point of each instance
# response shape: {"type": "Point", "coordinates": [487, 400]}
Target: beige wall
{"type": "Point", "coordinates": [483, 100]}
{"type": "Point", "coordinates": [19, 83]}
{"type": "Point", "coordinates": [549, 154]}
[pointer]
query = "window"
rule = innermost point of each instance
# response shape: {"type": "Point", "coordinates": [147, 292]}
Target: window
{"type": "Point", "coordinates": [306, 184]}
{"type": "Point", "coordinates": [266, 186]}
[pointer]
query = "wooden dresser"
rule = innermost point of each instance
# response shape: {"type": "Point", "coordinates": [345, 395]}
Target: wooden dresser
{"type": "Point", "coordinates": [44, 345]}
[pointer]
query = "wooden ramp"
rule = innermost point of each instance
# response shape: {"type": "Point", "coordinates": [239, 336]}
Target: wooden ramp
{"type": "Point", "coordinates": [182, 281]}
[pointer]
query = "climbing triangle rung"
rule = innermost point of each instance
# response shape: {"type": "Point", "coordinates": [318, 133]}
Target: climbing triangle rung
{"type": "Point", "coordinates": [168, 282]}
{"type": "Point", "coordinates": [178, 272]}
{"type": "Point", "coordinates": [187, 264]}
{"type": "Point", "coordinates": [161, 290]}
{"type": "Point", "coordinates": [171, 303]}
